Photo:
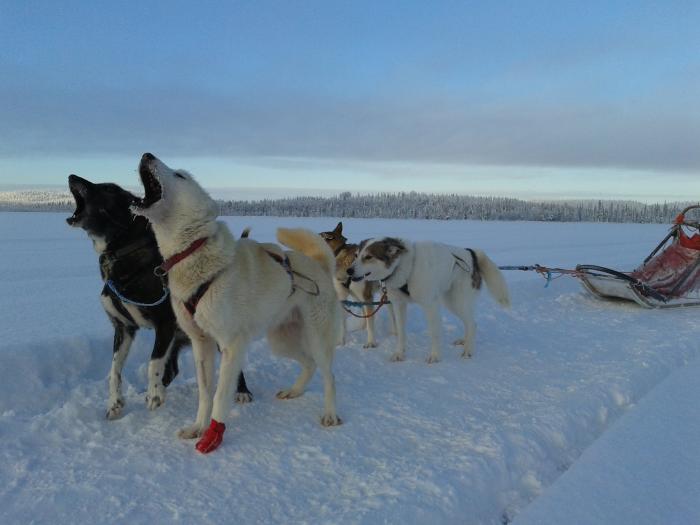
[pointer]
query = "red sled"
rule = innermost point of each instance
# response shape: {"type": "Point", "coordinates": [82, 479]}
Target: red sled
{"type": "Point", "coordinates": [668, 278]}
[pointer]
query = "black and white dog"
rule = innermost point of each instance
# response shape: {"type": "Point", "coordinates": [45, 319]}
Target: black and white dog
{"type": "Point", "coordinates": [133, 296]}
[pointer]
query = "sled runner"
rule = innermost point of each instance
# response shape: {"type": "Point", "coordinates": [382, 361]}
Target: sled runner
{"type": "Point", "coordinates": [668, 278]}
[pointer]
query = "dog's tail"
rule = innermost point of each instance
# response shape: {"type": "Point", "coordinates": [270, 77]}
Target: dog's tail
{"type": "Point", "coordinates": [310, 244]}
{"type": "Point", "coordinates": [494, 279]}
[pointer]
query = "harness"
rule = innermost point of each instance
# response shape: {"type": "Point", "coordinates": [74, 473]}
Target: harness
{"type": "Point", "coordinates": [476, 273]}
{"type": "Point", "coordinates": [107, 260]}
{"type": "Point", "coordinates": [192, 302]}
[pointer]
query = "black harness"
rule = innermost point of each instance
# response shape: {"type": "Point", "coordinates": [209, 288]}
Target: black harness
{"type": "Point", "coordinates": [110, 271]}
{"type": "Point", "coordinates": [193, 301]}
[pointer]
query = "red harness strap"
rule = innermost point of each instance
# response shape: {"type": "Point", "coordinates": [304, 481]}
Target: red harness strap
{"type": "Point", "coordinates": [172, 261]}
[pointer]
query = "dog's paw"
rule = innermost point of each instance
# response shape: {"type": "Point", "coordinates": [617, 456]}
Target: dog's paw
{"type": "Point", "coordinates": [458, 342]}
{"type": "Point", "coordinates": [288, 394]}
{"type": "Point", "coordinates": [397, 357]}
{"type": "Point", "coordinates": [191, 432]}
{"type": "Point", "coordinates": [243, 397]}
{"type": "Point", "coordinates": [466, 354]}
{"type": "Point", "coordinates": [331, 420]}
{"type": "Point", "coordinates": [154, 401]}
{"type": "Point", "coordinates": [369, 344]}
{"type": "Point", "coordinates": [432, 358]}
{"type": "Point", "coordinates": [155, 396]}
{"type": "Point", "coordinates": [211, 438]}
{"type": "Point", "coordinates": [115, 410]}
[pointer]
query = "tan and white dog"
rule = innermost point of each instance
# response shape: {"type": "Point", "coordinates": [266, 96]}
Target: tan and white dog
{"type": "Point", "coordinates": [429, 273]}
{"type": "Point", "coordinates": [364, 291]}
{"type": "Point", "coordinates": [229, 292]}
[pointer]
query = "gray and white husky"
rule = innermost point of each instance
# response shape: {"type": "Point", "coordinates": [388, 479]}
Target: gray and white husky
{"type": "Point", "coordinates": [429, 273]}
{"type": "Point", "coordinates": [229, 292]}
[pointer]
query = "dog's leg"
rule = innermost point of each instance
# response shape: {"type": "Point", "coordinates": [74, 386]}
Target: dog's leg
{"type": "Point", "coordinates": [308, 367]}
{"type": "Point", "coordinates": [367, 297]}
{"type": "Point", "coordinates": [392, 316]}
{"type": "Point", "coordinates": [400, 316]}
{"type": "Point", "coordinates": [243, 395]}
{"type": "Point", "coordinates": [123, 337]}
{"type": "Point", "coordinates": [204, 352]}
{"type": "Point", "coordinates": [330, 417]}
{"type": "Point", "coordinates": [163, 347]}
{"type": "Point", "coordinates": [343, 294]}
{"type": "Point", "coordinates": [462, 308]}
{"type": "Point", "coordinates": [229, 368]}
{"type": "Point", "coordinates": [322, 354]}
{"type": "Point", "coordinates": [432, 314]}
{"type": "Point", "coordinates": [231, 361]}
{"type": "Point", "coordinates": [171, 365]}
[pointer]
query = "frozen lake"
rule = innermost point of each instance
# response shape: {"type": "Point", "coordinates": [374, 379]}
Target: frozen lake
{"type": "Point", "coordinates": [461, 441]}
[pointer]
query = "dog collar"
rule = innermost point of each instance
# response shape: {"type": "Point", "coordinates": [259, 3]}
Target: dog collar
{"type": "Point", "coordinates": [164, 268]}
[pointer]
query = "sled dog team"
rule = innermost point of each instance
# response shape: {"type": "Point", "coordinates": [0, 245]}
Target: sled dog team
{"type": "Point", "coordinates": [169, 265]}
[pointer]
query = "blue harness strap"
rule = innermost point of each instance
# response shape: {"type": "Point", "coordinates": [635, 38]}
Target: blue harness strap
{"type": "Point", "coordinates": [110, 284]}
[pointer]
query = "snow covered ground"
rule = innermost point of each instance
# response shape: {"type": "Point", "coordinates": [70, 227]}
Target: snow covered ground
{"type": "Point", "coordinates": [560, 399]}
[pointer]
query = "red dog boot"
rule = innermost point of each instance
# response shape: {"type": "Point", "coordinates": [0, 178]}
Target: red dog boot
{"type": "Point", "coordinates": [212, 438]}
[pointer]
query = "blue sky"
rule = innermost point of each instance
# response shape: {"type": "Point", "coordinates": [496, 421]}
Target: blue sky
{"type": "Point", "coordinates": [527, 99]}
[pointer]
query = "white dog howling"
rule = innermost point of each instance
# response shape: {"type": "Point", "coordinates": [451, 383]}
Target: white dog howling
{"type": "Point", "coordinates": [228, 292]}
{"type": "Point", "coordinates": [429, 273]}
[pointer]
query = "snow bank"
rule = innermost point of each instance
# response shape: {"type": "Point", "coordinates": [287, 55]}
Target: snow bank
{"type": "Point", "coordinates": [644, 470]}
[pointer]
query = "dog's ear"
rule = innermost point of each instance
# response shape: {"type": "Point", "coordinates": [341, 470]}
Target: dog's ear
{"type": "Point", "coordinates": [339, 228]}
{"type": "Point", "coordinates": [395, 247]}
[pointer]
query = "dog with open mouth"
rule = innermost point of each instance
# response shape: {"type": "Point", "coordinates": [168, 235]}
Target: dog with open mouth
{"type": "Point", "coordinates": [229, 292]}
{"type": "Point", "coordinates": [133, 296]}
{"type": "Point", "coordinates": [430, 274]}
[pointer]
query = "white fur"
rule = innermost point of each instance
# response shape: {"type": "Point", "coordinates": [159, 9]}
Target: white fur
{"type": "Point", "coordinates": [433, 275]}
{"type": "Point", "coordinates": [99, 243]}
{"type": "Point", "coordinates": [251, 294]}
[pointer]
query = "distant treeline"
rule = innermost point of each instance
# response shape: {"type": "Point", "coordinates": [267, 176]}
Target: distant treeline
{"type": "Point", "coordinates": [415, 205]}
{"type": "Point", "coordinates": [402, 205]}
{"type": "Point", "coordinates": [36, 200]}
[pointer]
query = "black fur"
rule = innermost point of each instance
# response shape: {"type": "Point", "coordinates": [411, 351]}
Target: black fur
{"type": "Point", "coordinates": [130, 253]}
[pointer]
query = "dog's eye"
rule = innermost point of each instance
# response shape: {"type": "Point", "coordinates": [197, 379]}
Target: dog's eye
{"type": "Point", "coordinates": [180, 176]}
{"type": "Point", "coordinates": [368, 257]}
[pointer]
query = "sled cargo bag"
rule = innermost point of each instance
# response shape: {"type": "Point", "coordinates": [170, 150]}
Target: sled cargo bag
{"type": "Point", "coordinates": [675, 272]}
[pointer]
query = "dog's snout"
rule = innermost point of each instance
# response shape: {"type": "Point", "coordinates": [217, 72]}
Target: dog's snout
{"type": "Point", "coordinates": [351, 271]}
{"type": "Point", "coordinates": [147, 157]}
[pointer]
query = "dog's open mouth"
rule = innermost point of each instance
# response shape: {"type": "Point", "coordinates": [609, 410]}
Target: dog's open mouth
{"type": "Point", "coordinates": [78, 189]}
{"type": "Point", "coordinates": [357, 278]}
{"type": "Point", "coordinates": [153, 191]}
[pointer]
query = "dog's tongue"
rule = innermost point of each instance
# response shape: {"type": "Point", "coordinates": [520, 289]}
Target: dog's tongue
{"type": "Point", "coordinates": [212, 437]}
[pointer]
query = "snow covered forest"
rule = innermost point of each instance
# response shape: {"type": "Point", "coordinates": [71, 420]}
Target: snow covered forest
{"type": "Point", "coordinates": [36, 200]}
{"type": "Point", "coordinates": [402, 205]}
{"type": "Point", "coordinates": [415, 205]}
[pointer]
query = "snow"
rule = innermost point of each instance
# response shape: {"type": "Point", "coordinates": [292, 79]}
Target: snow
{"type": "Point", "coordinates": [564, 393]}
{"type": "Point", "coordinates": [643, 470]}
